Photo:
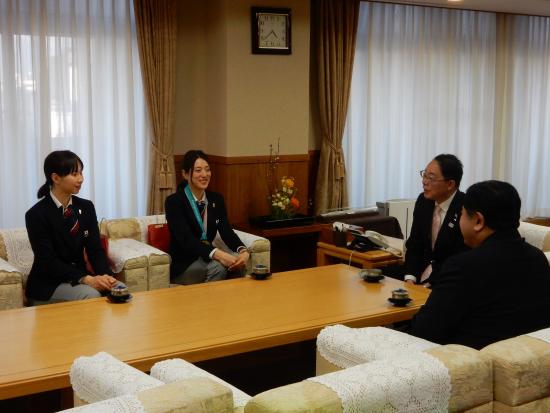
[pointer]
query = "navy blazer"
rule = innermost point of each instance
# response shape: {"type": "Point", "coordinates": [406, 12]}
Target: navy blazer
{"type": "Point", "coordinates": [185, 232]}
{"type": "Point", "coordinates": [419, 245]}
{"type": "Point", "coordinates": [493, 292]}
{"type": "Point", "coordinates": [59, 256]}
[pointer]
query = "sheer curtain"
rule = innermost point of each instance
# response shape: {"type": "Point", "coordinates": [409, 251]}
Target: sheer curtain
{"type": "Point", "coordinates": [423, 84]}
{"type": "Point", "coordinates": [525, 146]}
{"type": "Point", "coordinates": [432, 80]}
{"type": "Point", "coordinates": [70, 79]}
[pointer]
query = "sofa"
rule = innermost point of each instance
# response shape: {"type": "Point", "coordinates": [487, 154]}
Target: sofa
{"type": "Point", "coordinates": [139, 265]}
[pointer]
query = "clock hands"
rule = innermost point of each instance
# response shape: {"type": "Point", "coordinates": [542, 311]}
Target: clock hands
{"type": "Point", "coordinates": [272, 32]}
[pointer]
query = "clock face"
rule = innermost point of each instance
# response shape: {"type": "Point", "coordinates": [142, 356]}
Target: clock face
{"type": "Point", "coordinates": [272, 31]}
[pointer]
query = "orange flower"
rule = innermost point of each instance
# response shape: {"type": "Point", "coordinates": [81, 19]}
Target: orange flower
{"type": "Point", "coordinates": [294, 202]}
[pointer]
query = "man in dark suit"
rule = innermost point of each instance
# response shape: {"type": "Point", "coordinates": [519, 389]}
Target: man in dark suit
{"type": "Point", "coordinates": [496, 290]}
{"type": "Point", "coordinates": [435, 234]}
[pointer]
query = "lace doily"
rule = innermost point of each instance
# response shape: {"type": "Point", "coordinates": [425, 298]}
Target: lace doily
{"type": "Point", "coordinates": [18, 249]}
{"type": "Point", "coordinates": [124, 249]}
{"type": "Point", "coordinates": [171, 370]}
{"type": "Point", "coordinates": [102, 376]}
{"type": "Point", "coordinates": [543, 335]}
{"type": "Point", "coordinates": [414, 383]}
{"type": "Point", "coordinates": [123, 404]}
{"type": "Point", "coordinates": [144, 223]}
{"type": "Point", "coordinates": [346, 347]}
{"type": "Point", "coordinates": [533, 234]}
{"type": "Point", "coordinates": [7, 267]}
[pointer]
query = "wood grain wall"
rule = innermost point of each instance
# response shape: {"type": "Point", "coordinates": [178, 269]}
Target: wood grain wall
{"type": "Point", "coordinates": [242, 180]}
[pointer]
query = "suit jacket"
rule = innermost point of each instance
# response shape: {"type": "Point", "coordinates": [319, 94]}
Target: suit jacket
{"type": "Point", "coordinates": [490, 293]}
{"type": "Point", "coordinates": [185, 243]}
{"type": "Point", "coordinates": [59, 256]}
{"type": "Point", "coordinates": [419, 245]}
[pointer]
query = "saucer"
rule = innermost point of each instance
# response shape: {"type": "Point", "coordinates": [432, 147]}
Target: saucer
{"type": "Point", "coordinates": [119, 299]}
{"type": "Point", "coordinates": [399, 302]}
{"type": "Point", "coordinates": [373, 278]}
{"type": "Point", "coordinates": [261, 277]}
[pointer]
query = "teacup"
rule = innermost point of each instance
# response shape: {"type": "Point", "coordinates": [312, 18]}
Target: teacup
{"type": "Point", "coordinates": [400, 294]}
{"type": "Point", "coordinates": [371, 274]}
{"type": "Point", "coordinates": [119, 291]}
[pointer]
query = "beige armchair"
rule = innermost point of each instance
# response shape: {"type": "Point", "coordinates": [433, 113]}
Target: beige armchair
{"type": "Point", "coordinates": [109, 385]}
{"type": "Point", "coordinates": [521, 373]}
{"type": "Point", "coordinates": [446, 378]}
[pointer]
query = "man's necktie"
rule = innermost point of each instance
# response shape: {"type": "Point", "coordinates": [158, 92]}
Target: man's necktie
{"type": "Point", "coordinates": [71, 220]}
{"type": "Point", "coordinates": [436, 224]}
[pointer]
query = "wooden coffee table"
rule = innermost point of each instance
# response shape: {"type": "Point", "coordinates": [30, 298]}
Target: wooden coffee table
{"type": "Point", "coordinates": [369, 259]}
{"type": "Point", "coordinates": [196, 322]}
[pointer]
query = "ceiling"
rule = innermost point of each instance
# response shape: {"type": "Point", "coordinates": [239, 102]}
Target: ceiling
{"type": "Point", "coordinates": [535, 7]}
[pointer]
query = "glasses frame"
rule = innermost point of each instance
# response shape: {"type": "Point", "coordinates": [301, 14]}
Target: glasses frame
{"type": "Point", "coordinates": [430, 179]}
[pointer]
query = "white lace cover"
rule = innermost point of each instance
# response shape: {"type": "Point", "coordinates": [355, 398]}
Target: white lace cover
{"type": "Point", "coordinates": [124, 249]}
{"type": "Point", "coordinates": [102, 376]}
{"type": "Point", "coordinates": [171, 370]}
{"type": "Point", "coordinates": [123, 404]}
{"type": "Point", "coordinates": [18, 249]}
{"type": "Point", "coordinates": [7, 267]}
{"type": "Point", "coordinates": [413, 383]}
{"type": "Point", "coordinates": [345, 347]}
{"type": "Point", "coordinates": [543, 335]}
{"type": "Point", "coordinates": [533, 234]}
{"type": "Point", "coordinates": [547, 256]}
{"type": "Point", "coordinates": [144, 223]}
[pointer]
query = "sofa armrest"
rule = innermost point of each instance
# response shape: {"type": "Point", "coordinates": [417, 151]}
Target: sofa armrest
{"type": "Point", "coordinates": [536, 235]}
{"type": "Point", "coordinates": [11, 286]}
{"type": "Point", "coordinates": [259, 247]}
{"type": "Point", "coordinates": [143, 266]}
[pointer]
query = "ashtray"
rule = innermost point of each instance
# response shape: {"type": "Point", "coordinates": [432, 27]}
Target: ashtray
{"type": "Point", "coordinates": [260, 272]}
{"type": "Point", "coordinates": [119, 298]}
{"type": "Point", "coordinates": [399, 302]}
{"type": "Point", "coordinates": [372, 275]}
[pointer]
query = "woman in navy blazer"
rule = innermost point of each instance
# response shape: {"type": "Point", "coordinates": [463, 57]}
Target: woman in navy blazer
{"type": "Point", "coordinates": [61, 227]}
{"type": "Point", "coordinates": [194, 217]}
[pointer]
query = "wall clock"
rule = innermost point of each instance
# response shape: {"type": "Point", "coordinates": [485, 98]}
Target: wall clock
{"type": "Point", "coordinates": [270, 30]}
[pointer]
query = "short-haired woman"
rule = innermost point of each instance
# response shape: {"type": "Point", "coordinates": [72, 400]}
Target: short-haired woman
{"type": "Point", "coordinates": [61, 226]}
{"type": "Point", "coordinates": [194, 216]}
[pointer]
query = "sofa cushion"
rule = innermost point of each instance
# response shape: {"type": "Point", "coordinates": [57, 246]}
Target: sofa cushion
{"type": "Point", "coordinates": [121, 228]}
{"type": "Point", "coordinates": [536, 235]}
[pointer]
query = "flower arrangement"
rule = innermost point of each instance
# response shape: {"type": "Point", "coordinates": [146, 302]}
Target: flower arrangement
{"type": "Point", "coordinates": [284, 203]}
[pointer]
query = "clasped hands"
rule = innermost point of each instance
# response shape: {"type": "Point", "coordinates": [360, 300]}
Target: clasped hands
{"type": "Point", "coordinates": [100, 282]}
{"type": "Point", "coordinates": [230, 261]}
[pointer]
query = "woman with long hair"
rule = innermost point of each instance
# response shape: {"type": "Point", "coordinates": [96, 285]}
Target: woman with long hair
{"type": "Point", "coordinates": [194, 216]}
{"type": "Point", "coordinates": [61, 227]}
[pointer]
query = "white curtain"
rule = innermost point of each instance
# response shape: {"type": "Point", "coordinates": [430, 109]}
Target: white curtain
{"type": "Point", "coordinates": [525, 154]}
{"type": "Point", "coordinates": [431, 80]}
{"type": "Point", "coordinates": [423, 84]}
{"type": "Point", "coordinates": [70, 79]}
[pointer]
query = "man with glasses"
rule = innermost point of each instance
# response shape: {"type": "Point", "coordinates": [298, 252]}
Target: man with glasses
{"type": "Point", "coordinates": [435, 233]}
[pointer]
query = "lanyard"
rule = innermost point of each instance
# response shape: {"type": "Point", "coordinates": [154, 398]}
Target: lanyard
{"type": "Point", "coordinates": [195, 209]}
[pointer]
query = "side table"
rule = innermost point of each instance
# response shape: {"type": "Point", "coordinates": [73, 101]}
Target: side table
{"type": "Point", "coordinates": [326, 253]}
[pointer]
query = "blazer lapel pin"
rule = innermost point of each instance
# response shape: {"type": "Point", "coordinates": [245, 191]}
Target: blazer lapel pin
{"type": "Point", "coordinates": [85, 233]}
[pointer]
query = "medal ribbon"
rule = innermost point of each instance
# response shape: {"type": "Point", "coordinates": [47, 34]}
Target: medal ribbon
{"type": "Point", "coordinates": [195, 209]}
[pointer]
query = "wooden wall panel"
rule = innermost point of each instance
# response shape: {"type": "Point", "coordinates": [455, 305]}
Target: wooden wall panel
{"type": "Point", "coordinates": [243, 182]}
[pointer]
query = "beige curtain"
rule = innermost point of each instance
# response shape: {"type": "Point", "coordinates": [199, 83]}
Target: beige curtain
{"type": "Point", "coordinates": [337, 28]}
{"type": "Point", "coordinates": [156, 33]}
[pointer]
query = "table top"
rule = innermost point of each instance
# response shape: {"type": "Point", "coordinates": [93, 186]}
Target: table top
{"type": "Point", "coordinates": [196, 322]}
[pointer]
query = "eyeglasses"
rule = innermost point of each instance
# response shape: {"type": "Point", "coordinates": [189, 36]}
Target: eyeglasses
{"type": "Point", "coordinates": [430, 178]}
